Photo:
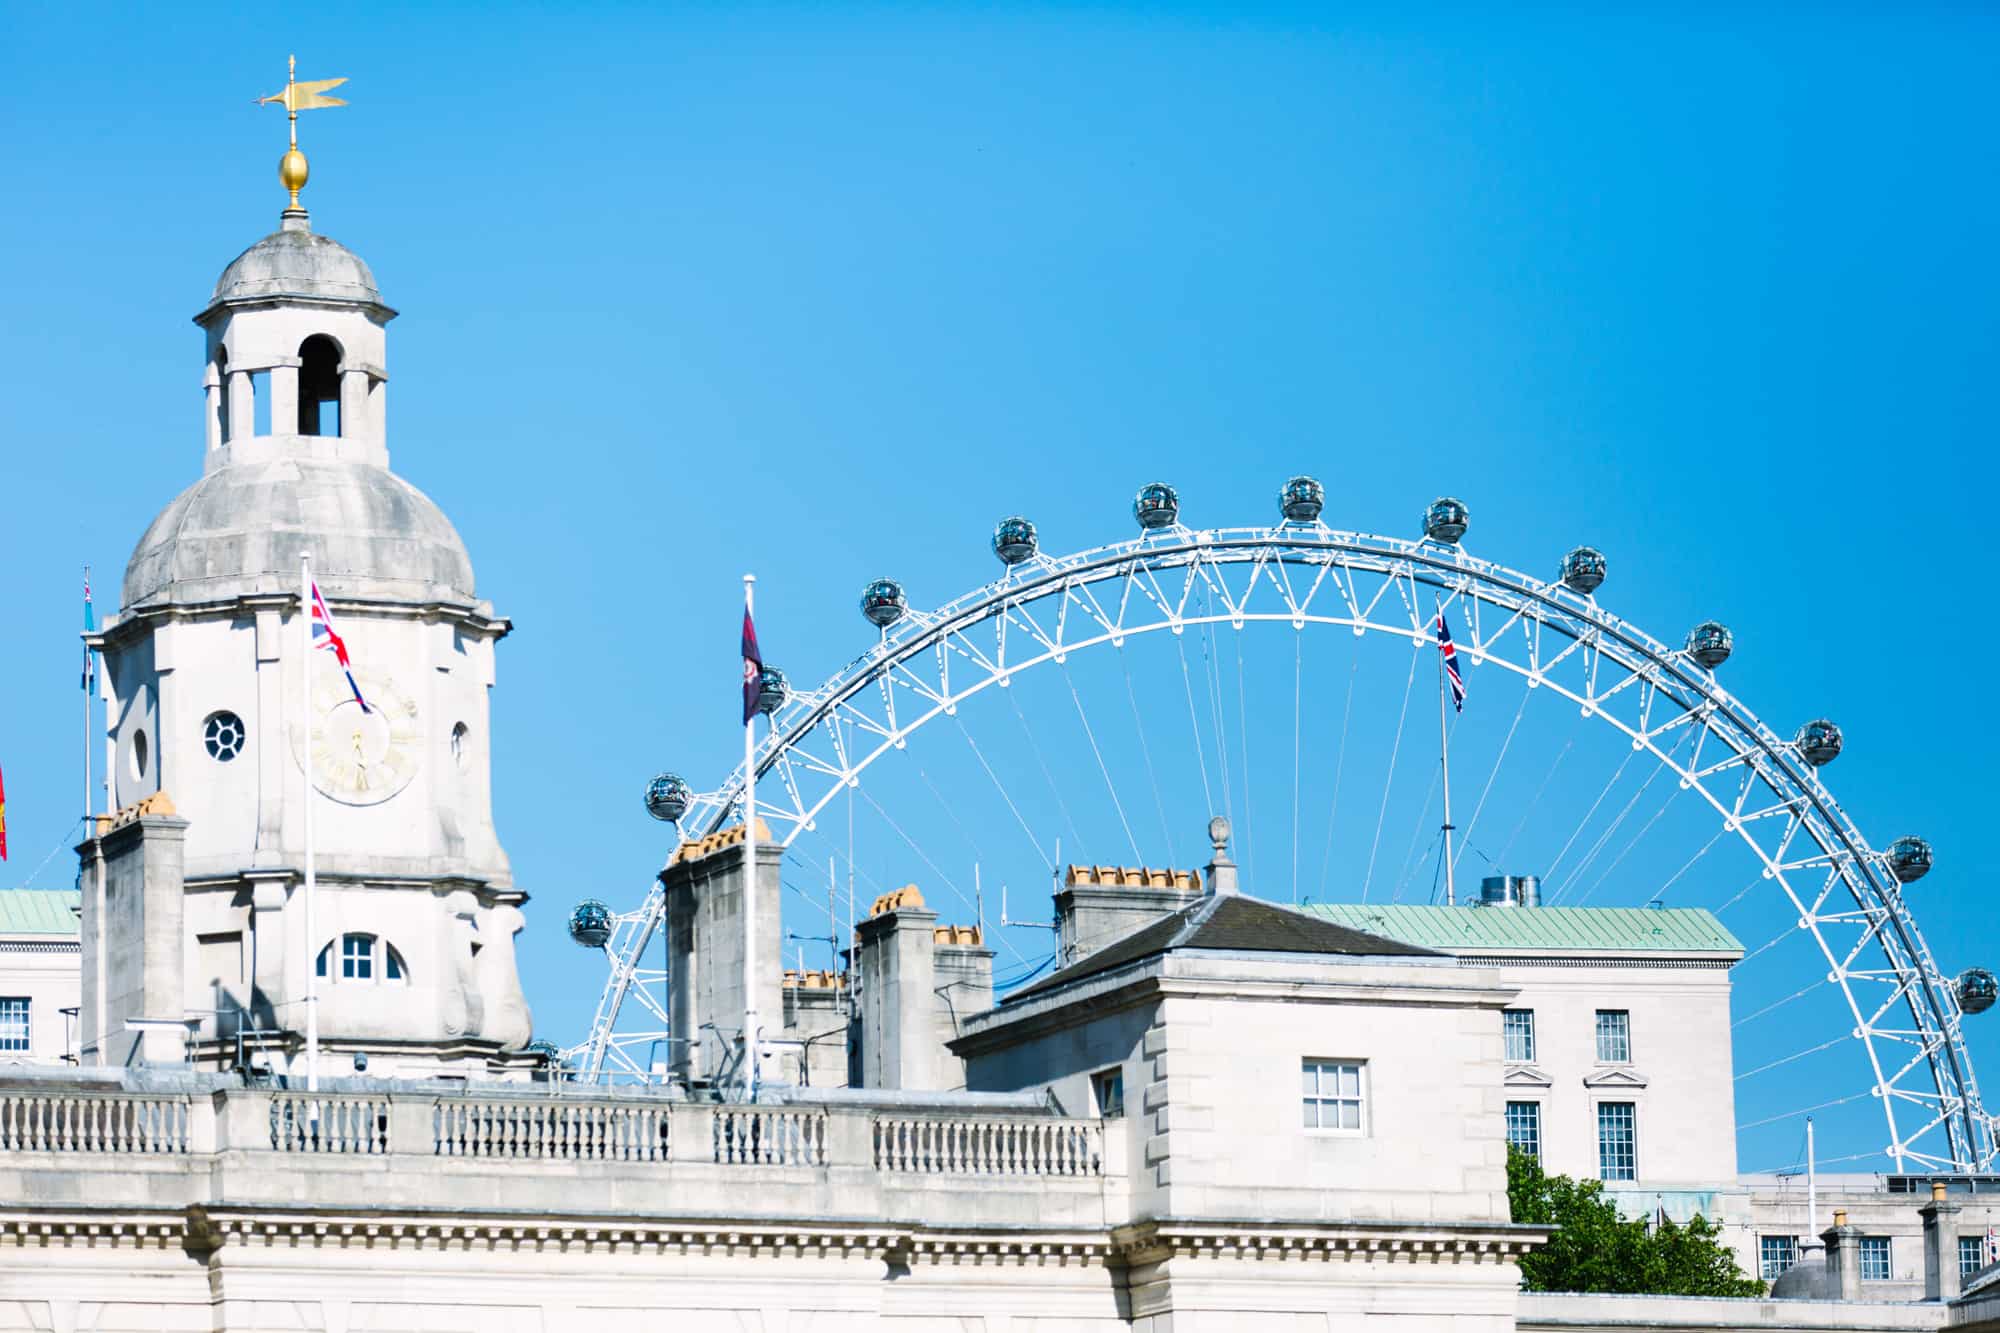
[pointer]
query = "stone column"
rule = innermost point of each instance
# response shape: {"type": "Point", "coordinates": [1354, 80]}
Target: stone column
{"type": "Point", "coordinates": [354, 406]}
{"type": "Point", "coordinates": [285, 398]}
{"type": "Point", "coordinates": [211, 385]}
{"type": "Point", "coordinates": [242, 406]}
{"type": "Point", "coordinates": [1940, 1245]}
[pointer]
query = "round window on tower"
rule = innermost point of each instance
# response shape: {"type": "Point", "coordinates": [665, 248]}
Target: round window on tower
{"type": "Point", "coordinates": [461, 746]}
{"type": "Point", "coordinates": [139, 755]}
{"type": "Point", "coordinates": [223, 735]}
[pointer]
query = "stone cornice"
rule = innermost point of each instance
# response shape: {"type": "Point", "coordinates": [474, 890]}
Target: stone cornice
{"type": "Point", "coordinates": [1154, 978]}
{"type": "Point", "coordinates": [222, 1226]}
{"type": "Point", "coordinates": [132, 623]}
{"type": "Point", "coordinates": [1362, 1241]}
{"type": "Point", "coordinates": [219, 1226]}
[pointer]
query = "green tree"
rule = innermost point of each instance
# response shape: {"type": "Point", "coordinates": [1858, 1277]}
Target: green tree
{"type": "Point", "coordinates": [1594, 1249]}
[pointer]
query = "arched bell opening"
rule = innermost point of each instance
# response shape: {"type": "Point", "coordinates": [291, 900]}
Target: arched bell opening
{"type": "Point", "coordinates": [319, 386]}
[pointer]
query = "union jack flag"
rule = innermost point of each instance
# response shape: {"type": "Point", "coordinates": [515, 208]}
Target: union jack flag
{"type": "Point", "coordinates": [1456, 681]}
{"type": "Point", "coordinates": [324, 637]}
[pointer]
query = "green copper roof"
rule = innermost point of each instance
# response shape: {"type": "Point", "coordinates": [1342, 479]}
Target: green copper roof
{"type": "Point", "coordinates": [1555, 929]}
{"type": "Point", "coordinates": [38, 911]}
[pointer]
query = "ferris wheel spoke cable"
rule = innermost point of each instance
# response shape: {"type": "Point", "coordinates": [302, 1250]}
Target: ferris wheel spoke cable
{"type": "Point", "coordinates": [1778, 1004]}
{"type": "Point", "coordinates": [936, 869]}
{"type": "Point", "coordinates": [1194, 723]}
{"type": "Point", "coordinates": [951, 813]}
{"type": "Point", "coordinates": [1298, 670]}
{"type": "Point", "coordinates": [1212, 688]}
{"type": "Point", "coordinates": [998, 786]}
{"type": "Point", "coordinates": [1536, 801]}
{"type": "Point", "coordinates": [1410, 861]}
{"type": "Point", "coordinates": [1603, 839]}
{"type": "Point", "coordinates": [1395, 750]}
{"type": "Point", "coordinates": [1636, 839]}
{"type": "Point", "coordinates": [1583, 823]}
{"type": "Point", "coordinates": [1738, 896]}
{"type": "Point", "coordinates": [1339, 766]}
{"type": "Point", "coordinates": [1768, 945]}
{"type": "Point", "coordinates": [1243, 747]}
{"type": "Point", "coordinates": [1824, 1161]}
{"type": "Point", "coordinates": [1146, 752]}
{"type": "Point", "coordinates": [1138, 857]}
{"type": "Point", "coordinates": [1803, 1110]}
{"type": "Point", "coordinates": [1491, 774]}
{"type": "Point", "coordinates": [1828, 1044]}
{"type": "Point", "coordinates": [1042, 763]}
{"type": "Point", "coordinates": [1688, 865]}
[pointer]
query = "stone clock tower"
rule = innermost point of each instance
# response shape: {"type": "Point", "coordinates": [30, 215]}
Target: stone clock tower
{"type": "Point", "coordinates": [193, 902]}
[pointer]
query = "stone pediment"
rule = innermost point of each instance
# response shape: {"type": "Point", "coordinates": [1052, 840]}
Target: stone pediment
{"type": "Point", "coordinates": [1615, 1079]}
{"type": "Point", "coordinates": [1526, 1076]}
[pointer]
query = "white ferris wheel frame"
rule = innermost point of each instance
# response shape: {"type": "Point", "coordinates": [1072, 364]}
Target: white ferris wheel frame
{"type": "Point", "coordinates": [1906, 1012]}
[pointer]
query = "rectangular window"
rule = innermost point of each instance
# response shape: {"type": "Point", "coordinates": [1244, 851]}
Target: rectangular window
{"type": "Point", "coordinates": [1107, 1087]}
{"type": "Point", "coordinates": [1518, 1027]}
{"type": "Point", "coordinates": [1617, 1141]}
{"type": "Point", "coordinates": [1614, 1037]}
{"type": "Point", "coordinates": [14, 1030]}
{"type": "Point", "coordinates": [1334, 1096]}
{"type": "Point", "coordinates": [1524, 1127]}
{"type": "Point", "coordinates": [1775, 1254]}
{"type": "Point", "coordinates": [1971, 1255]}
{"type": "Point", "coordinates": [1874, 1258]}
{"type": "Point", "coordinates": [357, 957]}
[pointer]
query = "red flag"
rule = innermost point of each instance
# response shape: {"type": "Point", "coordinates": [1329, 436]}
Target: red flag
{"type": "Point", "coordinates": [753, 669]}
{"type": "Point", "coordinates": [3, 818]}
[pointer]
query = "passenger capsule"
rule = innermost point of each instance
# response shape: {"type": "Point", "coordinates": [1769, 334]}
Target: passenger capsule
{"type": "Point", "coordinates": [883, 603]}
{"type": "Point", "coordinates": [1909, 859]}
{"type": "Point", "coordinates": [1302, 499]}
{"type": "Point", "coordinates": [1709, 644]}
{"type": "Point", "coordinates": [772, 691]}
{"type": "Point", "coordinates": [1583, 570]}
{"type": "Point", "coordinates": [1014, 540]}
{"type": "Point", "coordinates": [667, 797]}
{"type": "Point", "coordinates": [1818, 742]}
{"type": "Point", "coordinates": [1156, 506]}
{"type": "Point", "coordinates": [1976, 990]}
{"type": "Point", "coordinates": [590, 923]}
{"type": "Point", "coordinates": [1445, 520]}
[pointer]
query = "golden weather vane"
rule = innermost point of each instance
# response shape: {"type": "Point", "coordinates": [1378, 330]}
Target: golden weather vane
{"type": "Point", "coordinates": [297, 97]}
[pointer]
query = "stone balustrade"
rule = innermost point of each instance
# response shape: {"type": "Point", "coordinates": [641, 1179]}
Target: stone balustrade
{"type": "Point", "coordinates": [557, 1127]}
{"type": "Point", "coordinates": [87, 1122]}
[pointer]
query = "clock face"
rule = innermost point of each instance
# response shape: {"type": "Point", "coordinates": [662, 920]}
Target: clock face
{"type": "Point", "coordinates": [362, 755]}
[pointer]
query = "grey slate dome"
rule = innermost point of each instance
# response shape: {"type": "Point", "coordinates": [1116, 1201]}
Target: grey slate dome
{"type": "Point", "coordinates": [241, 528]}
{"type": "Point", "coordinates": [298, 263]}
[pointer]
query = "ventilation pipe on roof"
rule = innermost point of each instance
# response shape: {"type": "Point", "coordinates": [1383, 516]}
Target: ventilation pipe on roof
{"type": "Point", "coordinates": [1510, 891]}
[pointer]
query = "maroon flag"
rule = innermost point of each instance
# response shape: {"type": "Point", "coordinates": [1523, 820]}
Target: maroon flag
{"type": "Point", "coordinates": [753, 668]}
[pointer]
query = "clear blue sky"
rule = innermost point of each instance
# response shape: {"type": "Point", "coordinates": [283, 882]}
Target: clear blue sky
{"type": "Point", "coordinates": [824, 291]}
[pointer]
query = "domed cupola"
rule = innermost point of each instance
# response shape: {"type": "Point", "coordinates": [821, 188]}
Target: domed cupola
{"type": "Point", "coordinates": [335, 875]}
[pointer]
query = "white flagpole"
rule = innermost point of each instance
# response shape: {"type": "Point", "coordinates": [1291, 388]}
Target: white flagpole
{"type": "Point", "coordinates": [89, 688]}
{"type": "Point", "coordinates": [1812, 1185]}
{"type": "Point", "coordinates": [305, 769]}
{"type": "Point", "coordinates": [750, 1042]}
{"type": "Point", "coordinates": [1444, 752]}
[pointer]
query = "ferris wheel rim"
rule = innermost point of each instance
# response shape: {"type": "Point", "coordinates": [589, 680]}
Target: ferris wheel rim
{"type": "Point", "coordinates": [1455, 574]}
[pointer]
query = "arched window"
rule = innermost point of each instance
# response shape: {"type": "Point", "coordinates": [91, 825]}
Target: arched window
{"type": "Point", "coordinates": [363, 958]}
{"type": "Point", "coordinates": [319, 386]}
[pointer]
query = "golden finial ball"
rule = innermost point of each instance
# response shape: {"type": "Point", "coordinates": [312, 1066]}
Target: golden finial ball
{"type": "Point", "coordinates": [292, 171]}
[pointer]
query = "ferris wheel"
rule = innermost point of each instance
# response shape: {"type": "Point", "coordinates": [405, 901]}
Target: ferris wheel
{"type": "Point", "coordinates": [1755, 788]}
